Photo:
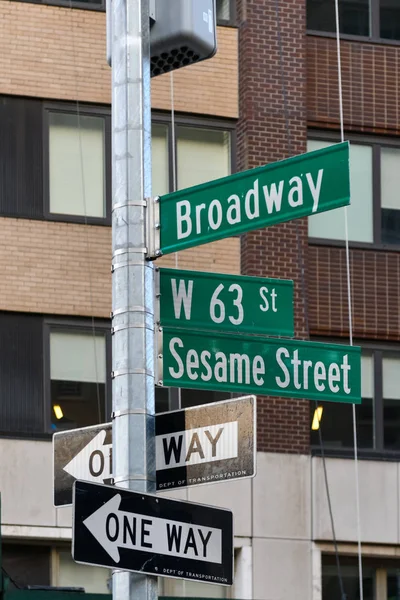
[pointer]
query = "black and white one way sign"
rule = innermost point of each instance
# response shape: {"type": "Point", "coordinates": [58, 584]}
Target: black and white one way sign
{"type": "Point", "coordinates": [118, 528]}
{"type": "Point", "coordinates": [204, 444]}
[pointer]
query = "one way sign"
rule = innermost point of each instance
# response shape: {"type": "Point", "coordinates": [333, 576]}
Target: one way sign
{"type": "Point", "coordinates": [205, 444]}
{"type": "Point", "coordinates": [118, 528]}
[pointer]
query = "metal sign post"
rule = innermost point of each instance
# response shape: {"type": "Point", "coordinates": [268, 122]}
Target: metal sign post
{"type": "Point", "coordinates": [132, 276]}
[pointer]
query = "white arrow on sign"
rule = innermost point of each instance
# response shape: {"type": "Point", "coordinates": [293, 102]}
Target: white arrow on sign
{"type": "Point", "coordinates": [114, 528]}
{"type": "Point", "coordinates": [93, 462]}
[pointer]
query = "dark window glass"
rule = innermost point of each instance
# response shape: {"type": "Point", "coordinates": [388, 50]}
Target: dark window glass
{"type": "Point", "coordinates": [21, 374]}
{"type": "Point", "coordinates": [393, 584]}
{"type": "Point", "coordinates": [78, 378]}
{"type": "Point", "coordinates": [336, 422]}
{"type": "Point", "coordinates": [391, 401]}
{"type": "Point", "coordinates": [331, 588]}
{"type": "Point", "coordinates": [336, 418]}
{"type": "Point", "coordinates": [390, 19]}
{"type": "Point", "coordinates": [354, 16]}
{"type": "Point", "coordinates": [21, 181]}
{"type": "Point", "coordinates": [26, 565]}
{"type": "Point", "coordinates": [390, 183]}
{"type": "Point", "coordinates": [223, 10]}
{"type": "Point", "coordinates": [168, 398]}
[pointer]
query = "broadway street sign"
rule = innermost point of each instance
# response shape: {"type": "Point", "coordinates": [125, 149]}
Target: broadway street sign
{"type": "Point", "coordinates": [268, 366]}
{"type": "Point", "coordinates": [211, 301]}
{"type": "Point", "coordinates": [204, 444]}
{"type": "Point", "coordinates": [207, 443]}
{"type": "Point", "coordinates": [296, 187]}
{"type": "Point", "coordinates": [132, 531]}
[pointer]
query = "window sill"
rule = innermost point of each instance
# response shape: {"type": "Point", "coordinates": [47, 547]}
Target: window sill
{"type": "Point", "coordinates": [61, 218]}
{"type": "Point", "coordinates": [26, 437]}
{"type": "Point", "coordinates": [101, 8]}
{"type": "Point", "coordinates": [68, 4]}
{"type": "Point", "coordinates": [353, 38]}
{"type": "Point", "coordinates": [354, 245]}
{"type": "Point", "coordinates": [362, 453]}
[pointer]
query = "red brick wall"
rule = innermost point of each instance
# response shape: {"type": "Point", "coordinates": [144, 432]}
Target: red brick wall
{"type": "Point", "coordinates": [283, 424]}
{"type": "Point", "coordinates": [371, 92]}
{"type": "Point", "coordinates": [371, 85]}
{"type": "Point", "coordinates": [375, 292]}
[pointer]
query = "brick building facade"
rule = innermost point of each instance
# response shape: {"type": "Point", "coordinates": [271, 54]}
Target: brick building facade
{"type": "Point", "coordinates": [270, 92]}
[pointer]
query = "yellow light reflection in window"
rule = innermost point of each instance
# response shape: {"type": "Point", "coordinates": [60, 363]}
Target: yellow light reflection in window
{"type": "Point", "coordinates": [317, 418]}
{"type": "Point", "coordinates": [58, 411]}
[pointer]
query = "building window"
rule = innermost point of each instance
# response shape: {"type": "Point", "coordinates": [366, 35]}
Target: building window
{"type": "Point", "coordinates": [331, 224]}
{"type": "Point", "coordinates": [379, 19]}
{"type": "Point", "coordinates": [78, 367]}
{"type": "Point", "coordinates": [390, 201]}
{"type": "Point", "coordinates": [354, 16]}
{"type": "Point", "coordinates": [378, 416]}
{"type": "Point", "coordinates": [335, 419]}
{"type": "Point", "coordinates": [203, 152]}
{"type": "Point", "coordinates": [391, 401]}
{"type": "Point", "coordinates": [381, 578]}
{"type": "Point", "coordinates": [68, 573]}
{"type": "Point", "coordinates": [26, 564]}
{"type": "Point", "coordinates": [225, 12]}
{"type": "Point", "coordinates": [374, 211]}
{"type": "Point", "coordinates": [77, 158]}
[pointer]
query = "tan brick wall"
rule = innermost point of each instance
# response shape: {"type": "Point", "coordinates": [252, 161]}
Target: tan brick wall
{"type": "Point", "coordinates": [53, 52]}
{"type": "Point", "coordinates": [64, 268]}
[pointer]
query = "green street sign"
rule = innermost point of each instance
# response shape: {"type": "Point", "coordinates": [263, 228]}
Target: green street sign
{"type": "Point", "coordinates": [265, 366]}
{"type": "Point", "coordinates": [215, 302]}
{"type": "Point", "coordinates": [297, 187]}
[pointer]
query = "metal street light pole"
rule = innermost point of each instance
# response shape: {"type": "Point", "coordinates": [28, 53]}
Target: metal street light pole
{"type": "Point", "coordinates": [132, 278]}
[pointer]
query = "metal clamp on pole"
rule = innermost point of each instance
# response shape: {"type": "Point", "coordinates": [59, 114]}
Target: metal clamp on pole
{"type": "Point", "coordinates": [153, 227]}
{"type": "Point", "coordinates": [158, 363]}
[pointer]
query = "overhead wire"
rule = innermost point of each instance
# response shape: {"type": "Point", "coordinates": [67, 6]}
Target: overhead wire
{"type": "Point", "coordinates": [83, 185]}
{"type": "Point", "coordinates": [350, 311]}
{"type": "Point", "coordinates": [303, 291]}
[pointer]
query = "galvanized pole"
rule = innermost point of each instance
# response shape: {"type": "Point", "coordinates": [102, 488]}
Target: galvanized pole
{"type": "Point", "coordinates": [132, 279]}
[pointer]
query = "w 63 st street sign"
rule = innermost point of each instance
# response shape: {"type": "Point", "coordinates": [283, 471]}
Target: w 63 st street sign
{"type": "Point", "coordinates": [289, 189]}
{"type": "Point", "coordinates": [211, 301]}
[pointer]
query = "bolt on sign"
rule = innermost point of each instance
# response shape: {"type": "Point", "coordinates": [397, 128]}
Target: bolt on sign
{"type": "Point", "coordinates": [212, 301]}
{"type": "Point", "coordinates": [267, 366]}
{"type": "Point", "coordinates": [289, 189]}
{"type": "Point", "coordinates": [132, 531]}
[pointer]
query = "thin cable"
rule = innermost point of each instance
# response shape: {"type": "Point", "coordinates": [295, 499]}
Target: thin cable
{"type": "Point", "coordinates": [15, 584]}
{"type": "Point", "coordinates": [303, 287]}
{"type": "Point", "coordinates": [339, 69]}
{"type": "Point", "coordinates": [82, 176]}
{"type": "Point", "coordinates": [174, 175]}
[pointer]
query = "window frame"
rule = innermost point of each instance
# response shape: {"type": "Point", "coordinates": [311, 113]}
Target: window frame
{"type": "Point", "coordinates": [375, 24]}
{"type": "Point", "coordinates": [231, 22]}
{"type": "Point", "coordinates": [159, 118]}
{"type": "Point", "coordinates": [72, 325]}
{"type": "Point", "coordinates": [376, 143]}
{"type": "Point", "coordinates": [90, 5]}
{"type": "Point", "coordinates": [84, 110]}
{"type": "Point", "coordinates": [378, 350]}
